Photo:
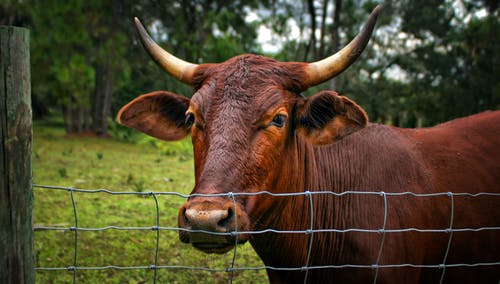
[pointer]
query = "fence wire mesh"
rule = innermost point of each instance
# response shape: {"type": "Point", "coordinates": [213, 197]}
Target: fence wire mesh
{"type": "Point", "coordinates": [311, 231]}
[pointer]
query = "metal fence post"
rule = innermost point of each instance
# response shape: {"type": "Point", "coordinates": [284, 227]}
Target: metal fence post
{"type": "Point", "coordinates": [17, 259]}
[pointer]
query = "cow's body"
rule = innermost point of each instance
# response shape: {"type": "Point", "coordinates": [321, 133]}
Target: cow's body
{"type": "Point", "coordinates": [252, 131]}
{"type": "Point", "coordinates": [458, 156]}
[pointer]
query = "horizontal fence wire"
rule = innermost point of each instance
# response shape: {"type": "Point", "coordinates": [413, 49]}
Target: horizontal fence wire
{"type": "Point", "coordinates": [310, 231]}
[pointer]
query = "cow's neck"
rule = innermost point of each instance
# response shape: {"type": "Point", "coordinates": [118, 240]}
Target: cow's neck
{"type": "Point", "coordinates": [305, 168]}
{"type": "Point", "coordinates": [376, 155]}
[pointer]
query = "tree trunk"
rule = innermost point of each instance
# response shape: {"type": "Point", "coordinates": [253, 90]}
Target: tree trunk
{"type": "Point", "coordinates": [323, 30]}
{"type": "Point", "coordinates": [312, 39]}
{"type": "Point", "coordinates": [68, 125]}
{"type": "Point", "coordinates": [101, 101]}
{"type": "Point", "coordinates": [299, 46]}
{"type": "Point", "coordinates": [108, 93]}
{"type": "Point", "coordinates": [79, 119]}
{"type": "Point", "coordinates": [335, 36]}
{"type": "Point", "coordinates": [96, 103]}
{"type": "Point", "coordinates": [74, 121]}
{"type": "Point", "coordinates": [87, 125]}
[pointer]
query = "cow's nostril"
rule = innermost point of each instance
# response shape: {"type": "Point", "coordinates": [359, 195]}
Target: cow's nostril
{"type": "Point", "coordinates": [224, 222]}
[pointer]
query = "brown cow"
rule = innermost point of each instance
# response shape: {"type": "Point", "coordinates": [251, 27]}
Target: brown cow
{"type": "Point", "coordinates": [253, 131]}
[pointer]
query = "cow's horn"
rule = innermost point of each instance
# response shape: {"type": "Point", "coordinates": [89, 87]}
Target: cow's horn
{"type": "Point", "coordinates": [320, 71]}
{"type": "Point", "coordinates": [178, 68]}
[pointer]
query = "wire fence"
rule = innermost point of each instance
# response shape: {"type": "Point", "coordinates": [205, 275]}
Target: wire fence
{"type": "Point", "coordinates": [310, 232]}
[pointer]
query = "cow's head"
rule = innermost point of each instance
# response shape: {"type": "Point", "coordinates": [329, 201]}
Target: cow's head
{"type": "Point", "coordinates": [244, 115]}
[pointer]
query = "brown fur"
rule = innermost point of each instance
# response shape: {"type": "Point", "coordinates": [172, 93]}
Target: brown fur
{"type": "Point", "coordinates": [326, 144]}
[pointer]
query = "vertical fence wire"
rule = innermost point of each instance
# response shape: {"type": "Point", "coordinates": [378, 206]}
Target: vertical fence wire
{"type": "Point", "coordinates": [311, 235]}
{"type": "Point", "coordinates": [450, 232]}
{"type": "Point", "coordinates": [75, 229]}
{"type": "Point", "coordinates": [383, 231]}
{"type": "Point", "coordinates": [156, 228]}
{"type": "Point", "coordinates": [310, 231]}
{"type": "Point", "coordinates": [231, 269]}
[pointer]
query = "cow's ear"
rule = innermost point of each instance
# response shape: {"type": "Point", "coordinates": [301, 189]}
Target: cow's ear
{"type": "Point", "coordinates": [159, 114]}
{"type": "Point", "coordinates": [327, 117]}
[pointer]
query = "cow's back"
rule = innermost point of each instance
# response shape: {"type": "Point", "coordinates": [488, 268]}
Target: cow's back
{"type": "Point", "coordinates": [460, 156]}
{"type": "Point", "coordinates": [463, 156]}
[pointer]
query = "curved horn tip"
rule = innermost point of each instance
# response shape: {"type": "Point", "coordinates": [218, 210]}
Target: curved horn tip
{"type": "Point", "coordinates": [325, 69]}
{"type": "Point", "coordinates": [139, 26]}
{"type": "Point", "coordinates": [138, 22]}
{"type": "Point", "coordinates": [375, 12]}
{"type": "Point", "coordinates": [178, 68]}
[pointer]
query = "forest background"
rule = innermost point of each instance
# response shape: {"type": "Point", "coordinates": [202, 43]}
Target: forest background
{"type": "Point", "coordinates": [429, 60]}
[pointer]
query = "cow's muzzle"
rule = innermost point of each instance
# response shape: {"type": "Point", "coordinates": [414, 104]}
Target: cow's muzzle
{"type": "Point", "coordinates": [211, 224]}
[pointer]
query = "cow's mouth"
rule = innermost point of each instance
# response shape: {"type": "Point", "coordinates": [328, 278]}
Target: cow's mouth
{"type": "Point", "coordinates": [214, 247]}
{"type": "Point", "coordinates": [218, 248]}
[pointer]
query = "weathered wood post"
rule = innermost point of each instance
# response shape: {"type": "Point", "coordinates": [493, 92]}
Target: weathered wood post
{"type": "Point", "coordinates": [17, 260]}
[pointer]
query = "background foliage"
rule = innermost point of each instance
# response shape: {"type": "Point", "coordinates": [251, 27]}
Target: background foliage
{"type": "Point", "coordinates": [429, 61]}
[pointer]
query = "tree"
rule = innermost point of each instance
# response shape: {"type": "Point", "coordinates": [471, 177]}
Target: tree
{"type": "Point", "coordinates": [78, 59]}
{"type": "Point", "coordinates": [446, 62]}
{"type": "Point", "coordinates": [106, 27]}
{"type": "Point", "coordinates": [85, 52]}
{"type": "Point", "coordinates": [61, 62]}
{"type": "Point", "coordinates": [428, 61]}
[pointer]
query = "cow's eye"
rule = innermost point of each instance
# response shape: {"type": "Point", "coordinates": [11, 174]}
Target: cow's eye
{"type": "Point", "coordinates": [189, 119]}
{"type": "Point", "coordinates": [278, 120]}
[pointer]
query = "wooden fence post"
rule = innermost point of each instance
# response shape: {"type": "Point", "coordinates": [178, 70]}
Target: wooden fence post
{"type": "Point", "coordinates": [17, 259]}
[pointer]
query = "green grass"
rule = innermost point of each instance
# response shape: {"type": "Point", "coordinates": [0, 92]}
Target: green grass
{"type": "Point", "coordinates": [94, 163]}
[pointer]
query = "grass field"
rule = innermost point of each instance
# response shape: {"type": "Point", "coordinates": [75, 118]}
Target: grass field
{"type": "Point", "coordinates": [144, 166]}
